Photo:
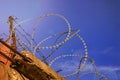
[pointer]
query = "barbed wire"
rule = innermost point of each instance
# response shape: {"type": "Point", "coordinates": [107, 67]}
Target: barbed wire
{"type": "Point", "coordinates": [29, 41]}
{"type": "Point", "coordinates": [100, 75]}
{"type": "Point", "coordinates": [41, 18]}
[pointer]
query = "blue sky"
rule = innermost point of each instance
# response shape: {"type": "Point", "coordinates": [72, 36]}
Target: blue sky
{"type": "Point", "coordinates": [98, 21]}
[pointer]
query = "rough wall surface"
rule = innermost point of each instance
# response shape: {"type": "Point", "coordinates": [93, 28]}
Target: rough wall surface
{"type": "Point", "coordinates": [7, 73]}
{"type": "Point", "coordinates": [35, 70]}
